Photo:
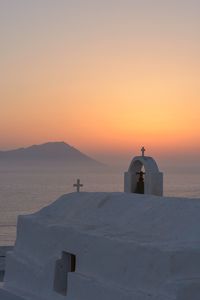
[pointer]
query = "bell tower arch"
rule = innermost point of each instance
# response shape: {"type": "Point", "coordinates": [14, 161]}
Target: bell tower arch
{"type": "Point", "coordinates": [143, 176]}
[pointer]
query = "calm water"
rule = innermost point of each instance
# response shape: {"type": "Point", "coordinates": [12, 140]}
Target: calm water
{"type": "Point", "coordinates": [24, 190]}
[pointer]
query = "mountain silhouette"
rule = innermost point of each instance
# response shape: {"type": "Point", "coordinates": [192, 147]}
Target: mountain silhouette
{"type": "Point", "coordinates": [52, 151]}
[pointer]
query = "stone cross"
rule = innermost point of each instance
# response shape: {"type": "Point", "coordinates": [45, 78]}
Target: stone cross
{"type": "Point", "coordinates": [78, 185]}
{"type": "Point", "coordinates": [143, 150]}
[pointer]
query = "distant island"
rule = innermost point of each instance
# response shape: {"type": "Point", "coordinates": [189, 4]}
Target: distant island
{"type": "Point", "coordinates": [49, 152]}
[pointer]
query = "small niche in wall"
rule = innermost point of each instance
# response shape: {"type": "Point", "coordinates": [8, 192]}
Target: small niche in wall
{"type": "Point", "coordinates": [64, 265]}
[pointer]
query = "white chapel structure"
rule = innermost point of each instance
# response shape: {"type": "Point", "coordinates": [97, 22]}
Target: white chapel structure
{"type": "Point", "coordinates": [136, 182]}
{"type": "Point", "coordinates": [109, 246]}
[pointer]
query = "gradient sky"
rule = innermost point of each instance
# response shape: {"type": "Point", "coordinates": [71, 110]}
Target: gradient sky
{"type": "Point", "coordinates": [105, 76]}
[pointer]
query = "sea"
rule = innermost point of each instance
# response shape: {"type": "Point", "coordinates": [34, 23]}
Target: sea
{"type": "Point", "coordinates": [26, 189]}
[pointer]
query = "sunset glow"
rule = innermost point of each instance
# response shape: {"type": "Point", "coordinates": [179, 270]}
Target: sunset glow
{"type": "Point", "coordinates": [102, 77]}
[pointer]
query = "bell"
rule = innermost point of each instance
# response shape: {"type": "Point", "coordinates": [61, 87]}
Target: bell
{"type": "Point", "coordinates": [140, 184]}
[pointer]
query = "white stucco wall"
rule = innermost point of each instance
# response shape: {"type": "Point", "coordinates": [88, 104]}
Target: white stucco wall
{"type": "Point", "coordinates": [127, 246]}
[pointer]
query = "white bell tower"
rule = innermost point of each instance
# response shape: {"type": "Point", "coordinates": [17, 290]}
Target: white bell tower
{"type": "Point", "coordinates": [148, 182]}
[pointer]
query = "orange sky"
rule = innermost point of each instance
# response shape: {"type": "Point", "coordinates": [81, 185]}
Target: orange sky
{"type": "Point", "coordinates": [104, 78]}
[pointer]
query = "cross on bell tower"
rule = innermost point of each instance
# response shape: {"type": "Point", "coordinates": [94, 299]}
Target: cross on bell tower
{"type": "Point", "coordinates": [78, 185]}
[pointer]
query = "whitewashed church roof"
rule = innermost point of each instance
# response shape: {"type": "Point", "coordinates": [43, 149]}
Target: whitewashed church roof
{"type": "Point", "coordinates": [130, 217]}
{"type": "Point", "coordinates": [126, 247]}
